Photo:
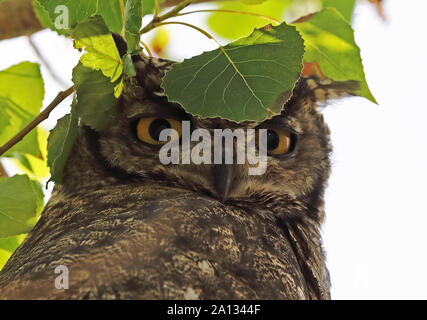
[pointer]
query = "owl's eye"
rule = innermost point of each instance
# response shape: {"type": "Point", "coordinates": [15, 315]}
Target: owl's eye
{"type": "Point", "coordinates": [279, 142]}
{"type": "Point", "coordinates": [149, 129]}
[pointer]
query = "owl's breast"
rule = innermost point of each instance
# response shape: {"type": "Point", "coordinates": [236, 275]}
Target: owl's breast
{"type": "Point", "coordinates": [155, 243]}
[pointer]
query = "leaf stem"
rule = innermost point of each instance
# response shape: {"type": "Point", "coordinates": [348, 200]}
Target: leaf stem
{"type": "Point", "coordinates": [146, 48]}
{"type": "Point", "coordinates": [170, 14]}
{"type": "Point", "coordinates": [156, 9]}
{"type": "Point", "coordinates": [230, 11]}
{"type": "Point", "coordinates": [191, 26]}
{"type": "Point", "coordinates": [122, 9]}
{"type": "Point", "coordinates": [40, 118]}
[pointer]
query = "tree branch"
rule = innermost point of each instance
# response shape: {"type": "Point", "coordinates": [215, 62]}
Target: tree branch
{"type": "Point", "coordinates": [41, 117]}
{"type": "Point", "coordinates": [170, 14]}
{"type": "Point", "coordinates": [17, 18]}
{"type": "Point", "coordinates": [171, 3]}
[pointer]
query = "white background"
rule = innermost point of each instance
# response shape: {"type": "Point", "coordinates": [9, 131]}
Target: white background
{"type": "Point", "coordinates": [375, 233]}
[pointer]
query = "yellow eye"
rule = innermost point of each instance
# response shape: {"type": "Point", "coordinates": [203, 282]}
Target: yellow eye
{"type": "Point", "coordinates": [149, 129]}
{"type": "Point", "coordinates": [279, 141]}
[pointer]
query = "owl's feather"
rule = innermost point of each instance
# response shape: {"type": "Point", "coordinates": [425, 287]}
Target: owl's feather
{"type": "Point", "coordinates": [128, 227]}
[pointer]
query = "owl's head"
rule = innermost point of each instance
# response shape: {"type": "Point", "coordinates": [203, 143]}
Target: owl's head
{"type": "Point", "coordinates": [297, 147]}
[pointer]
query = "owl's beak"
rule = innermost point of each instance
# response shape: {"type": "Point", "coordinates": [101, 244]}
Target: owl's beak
{"type": "Point", "coordinates": [223, 178]}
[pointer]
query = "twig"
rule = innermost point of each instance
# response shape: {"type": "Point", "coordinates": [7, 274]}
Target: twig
{"type": "Point", "coordinates": [122, 9]}
{"type": "Point", "coordinates": [380, 9]}
{"type": "Point", "coordinates": [41, 117]}
{"type": "Point", "coordinates": [170, 14]}
{"type": "Point", "coordinates": [46, 64]}
{"type": "Point", "coordinates": [191, 26]}
{"type": "Point", "coordinates": [230, 11]}
{"type": "Point", "coordinates": [17, 18]}
{"type": "Point", "coordinates": [146, 48]}
{"type": "Point", "coordinates": [156, 9]}
{"type": "Point", "coordinates": [171, 3]}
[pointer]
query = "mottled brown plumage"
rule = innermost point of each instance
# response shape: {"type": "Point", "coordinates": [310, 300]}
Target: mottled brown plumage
{"type": "Point", "coordinates": [129, 227]}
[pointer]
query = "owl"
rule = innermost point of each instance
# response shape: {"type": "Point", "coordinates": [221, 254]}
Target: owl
{"type": "Point", "coordinates": [127, 226]}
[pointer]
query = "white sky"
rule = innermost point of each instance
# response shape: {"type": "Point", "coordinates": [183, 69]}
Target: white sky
{"type": "Point", "coordinates": [374, 234]}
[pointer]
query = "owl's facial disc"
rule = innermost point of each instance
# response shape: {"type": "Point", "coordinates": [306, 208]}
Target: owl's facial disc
{"type": "Point", "coordinates": [219, 179]}
{"type": "Point", "coordinates": [296, 147]}
{"type": "Point", "coordinates": [223, 179]}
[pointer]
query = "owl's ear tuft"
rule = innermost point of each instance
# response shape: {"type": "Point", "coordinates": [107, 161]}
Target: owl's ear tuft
{"type": "Point", "coordinates": [121, 44]}
{"type": "Point", "coordinates": [321, 91]}
{"type": "Point", "coordinates": [149, 75]}
{"type": "Point", "coordinates": [150, 72]}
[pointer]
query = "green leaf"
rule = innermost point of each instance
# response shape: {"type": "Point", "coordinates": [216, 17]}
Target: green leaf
{"type": "Point", "coordinates": [22, 160]}
{"type": "Point", "coordinates": [234, 26]}
{"type": "Point", "coordinates": [60, 144]}
{"type": "Point", "coordinates": [21, 97]}
{"type": "Point", "coordinates": [112, 14]}
{"type": "Point", "coordinates": [128, 65]}
{"type": "Point", "coordinates": [346, 7]}
{"type": "Point", "coordinates": [133, 22]}
{"type": "Point", "coordinates": [8, 246]}
{"type": "Point", "coordinates": [21, 202]}
{"type": "Point", "coordinates": [102, 54]}
{"type": "Point", "coordinates": [79, 10]}
{"type": "Point", "coordinates": [148, 6]}
{"type": "Point", "coordinates": [43, 16]}
{"type": "Point", "coordinates": [329, 41]}
{"type": "Point", "coordinates": [35, 167]}
{"type": "Point", "coordinates": [253, 1]}
{"type": "Point", "coordinates": [4, 119]}
{"type": "Point", "coordinates": [251, 82]}
{"type": "Point", "coordinates": [96, 103]}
